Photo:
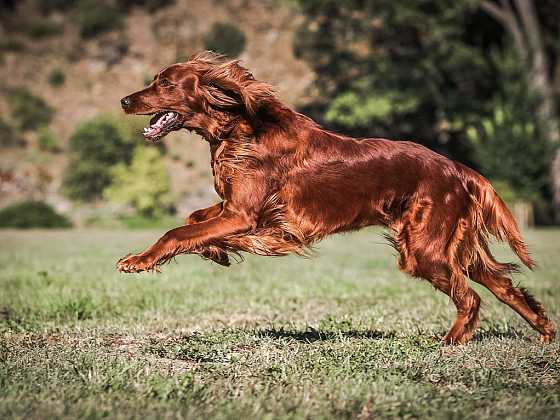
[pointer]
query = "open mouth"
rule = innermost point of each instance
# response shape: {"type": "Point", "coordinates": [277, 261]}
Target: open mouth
{"type": "Point", "coordinates": [161, 124]}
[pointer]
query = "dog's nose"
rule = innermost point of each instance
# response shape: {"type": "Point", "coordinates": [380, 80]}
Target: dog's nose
{"type": "Point", "coordinates": [125, 102]}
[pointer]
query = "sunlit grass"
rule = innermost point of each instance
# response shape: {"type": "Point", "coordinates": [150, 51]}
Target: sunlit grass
{"type": "Point", "coordinates": [342, 334]}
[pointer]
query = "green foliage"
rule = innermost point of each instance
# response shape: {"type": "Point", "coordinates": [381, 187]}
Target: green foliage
{"type": "Point", "coordinates": [101, 139]}
{"type": "Point", "coordinates": [395, 68]}
{"type": "Point", "coordinates": [94, 148]}
{"type": "Point", "coordinates": [11, 45]}
{"type": "Point", "coordinates": [508, 145]}
{"type": "Point", "coordinates": [46, 140]}
{"type": "Point", "coordinates": [144, 184]}
{"type": "Point", "coordinates": [95, 17]}
{"type": "Point", "coordinates": [43, 28]}
{"type": "Point", "coordinates": [353, 110]}
{"type": "Point", "coordinates": [84, 181]}
{"type": "Point", "coordinates": [427, 71]}
{"type": "Point", "coordinates": [509, 148]}
{"type": "Point", "coordinates": [225, 38]}
{"type": "Point", "coordinates": [32, 214]}
{"type": "Point", "coordinates": [28, 111]}
{"type": "Point", "coordinates": [57, 78]}
{"type": "Point", "coordinates": [9, 137]}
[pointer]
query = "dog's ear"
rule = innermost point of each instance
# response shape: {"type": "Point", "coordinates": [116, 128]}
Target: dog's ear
{"type": "Point", "coordinates": [191, 87]}
{"type": "Point", "coordinates": [231, 86]}
{"type": "Point", "coordinates": [190, 84]}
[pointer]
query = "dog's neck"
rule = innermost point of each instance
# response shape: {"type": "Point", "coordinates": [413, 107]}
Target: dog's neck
{"type": "Point", "coordinates": [222, 126]}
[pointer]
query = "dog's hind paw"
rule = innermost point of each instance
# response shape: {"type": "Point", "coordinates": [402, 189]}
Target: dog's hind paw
{"type": "Point", "coordinates": [546, 338]}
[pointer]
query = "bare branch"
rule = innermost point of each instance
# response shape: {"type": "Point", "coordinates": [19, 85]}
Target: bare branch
{"type": "Point", "coordinates": [528, 16]}
{"type": "Point", "coordinates": [506, 16]}
{"type": "Point", "coordinates": [494, 11]}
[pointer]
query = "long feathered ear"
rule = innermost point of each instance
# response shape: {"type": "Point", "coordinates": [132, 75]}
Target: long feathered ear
{"type": "Point", "coordinates": [228, 85]}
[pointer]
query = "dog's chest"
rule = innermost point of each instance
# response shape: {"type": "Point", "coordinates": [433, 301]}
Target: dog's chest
{"type": "Point", "coordinates": [218, 168]}
{"type": "Point", "coordinates": [228, 160]}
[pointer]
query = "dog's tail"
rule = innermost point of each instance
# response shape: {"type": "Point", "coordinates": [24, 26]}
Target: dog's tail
{"type": "Point", "coordinates": [494, 216]}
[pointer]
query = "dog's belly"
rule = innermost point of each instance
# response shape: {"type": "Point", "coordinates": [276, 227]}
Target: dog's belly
{"type": "Point", "coordinates": [320, 212]}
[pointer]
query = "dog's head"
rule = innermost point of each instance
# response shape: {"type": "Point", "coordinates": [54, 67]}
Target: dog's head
{"type": "Point", "coordinates": [205, 94]}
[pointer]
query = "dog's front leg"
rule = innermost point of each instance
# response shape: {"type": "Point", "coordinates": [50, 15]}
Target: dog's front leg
{"type": "Point", "coordinates": [215, 254]}
{"type": "Point", "coordinates": [205, 214]}
{"type": "Point", "coordinates": [186, 239]}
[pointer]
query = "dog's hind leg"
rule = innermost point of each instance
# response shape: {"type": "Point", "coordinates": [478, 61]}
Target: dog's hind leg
{"type": "Point", "coordinates": [429, 247]}
{"type": "Point", "coordinates": [467, 320]}
{"type": "Point", "coordinates": [497, 280]}
{"type": "Point", "coordinates": [467, 302]}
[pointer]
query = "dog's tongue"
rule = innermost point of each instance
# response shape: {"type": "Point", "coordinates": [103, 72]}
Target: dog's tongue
{"type": "Point", "coordinates": [159, 125]}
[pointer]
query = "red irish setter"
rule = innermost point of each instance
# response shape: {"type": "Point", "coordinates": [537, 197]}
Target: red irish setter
{"type": "Point", "coordinates": [287, 183]}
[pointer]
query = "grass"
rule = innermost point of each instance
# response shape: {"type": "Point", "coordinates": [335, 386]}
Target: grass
{"type": "Point", "coordinates": [343, 335]}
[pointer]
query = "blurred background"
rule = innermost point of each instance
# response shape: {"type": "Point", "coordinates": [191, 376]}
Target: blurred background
{"type": "Point", "coordinates": [475, 80]}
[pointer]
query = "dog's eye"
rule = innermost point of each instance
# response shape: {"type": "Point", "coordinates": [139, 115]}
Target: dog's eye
{"type": "Point", "coordinates": [164, 82]}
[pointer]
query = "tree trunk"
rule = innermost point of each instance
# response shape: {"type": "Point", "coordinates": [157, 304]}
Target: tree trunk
{"type": "Point", "coordinates": [523, 25]}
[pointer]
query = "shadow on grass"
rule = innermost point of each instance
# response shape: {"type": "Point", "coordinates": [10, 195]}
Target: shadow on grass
{"type": "Point", "coordinates": [500, 333]}
{"type": "Point", "coordinates": [311, 334]}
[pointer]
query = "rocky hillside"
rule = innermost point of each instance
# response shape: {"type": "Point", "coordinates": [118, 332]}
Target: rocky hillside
{"type": "Point", "coordinates": [98, 71]}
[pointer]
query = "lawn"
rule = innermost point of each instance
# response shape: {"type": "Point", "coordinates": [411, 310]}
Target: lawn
{"type": "Point", "coordinates": [340, 335]}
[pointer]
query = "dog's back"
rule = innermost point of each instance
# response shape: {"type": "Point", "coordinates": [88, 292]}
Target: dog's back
{"type": "Point", "coordinates": [285, 183]}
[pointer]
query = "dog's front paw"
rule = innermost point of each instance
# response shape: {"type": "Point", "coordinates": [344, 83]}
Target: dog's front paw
{"type": "Point", "coordinates": [136, 264]}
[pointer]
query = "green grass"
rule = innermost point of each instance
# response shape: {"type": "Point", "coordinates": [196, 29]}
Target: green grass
{"type": "Point", "coordinates": [342, 335]}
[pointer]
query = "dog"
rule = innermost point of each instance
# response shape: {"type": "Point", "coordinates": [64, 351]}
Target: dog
{"type": "Point", "coordinates": [286, 183]}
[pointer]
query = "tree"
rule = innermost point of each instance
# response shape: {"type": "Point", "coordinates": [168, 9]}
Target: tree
{"type": "Point", "coordinates": [29, 112]}
{"type": "Point", "coordinates": [95, 146]}
{"type": "Point", "coordinates": [430, 71]}
{"type": "Point", "coordinates": [144, 184]}
{"type": "Point", "coordinates": [510, 148]}
{"type": "Point", "coordinates": [32, 214]}
{"type": "Point", "coordinates": [535, 38]}
{"type": "Point", "coordinates": [410, 70]}
{"type": "Point", "coordinates": [225, 38]}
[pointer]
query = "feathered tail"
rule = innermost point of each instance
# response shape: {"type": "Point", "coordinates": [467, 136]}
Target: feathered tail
{"type": "Point", "coordinates": [496, 217]}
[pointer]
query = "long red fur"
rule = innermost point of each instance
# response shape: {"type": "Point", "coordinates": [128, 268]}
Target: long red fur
{"type": "Point", "coordinates": [286, 183]}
